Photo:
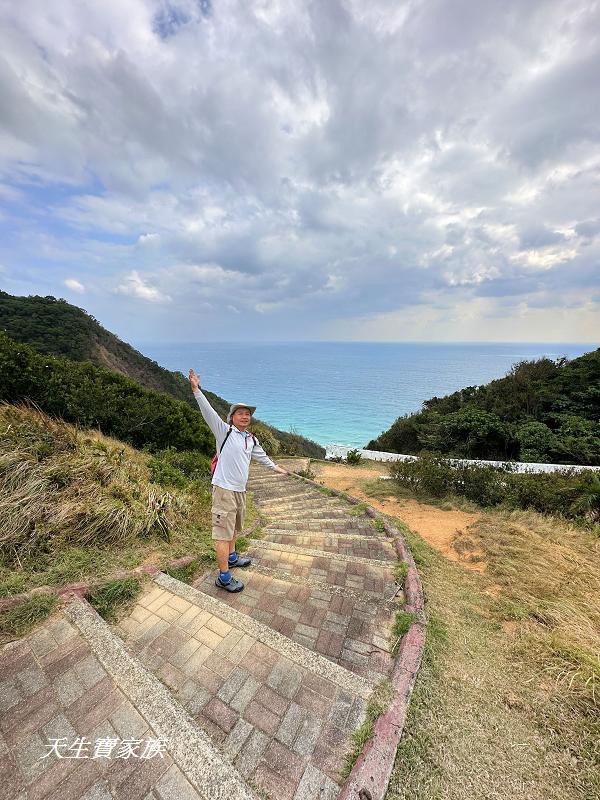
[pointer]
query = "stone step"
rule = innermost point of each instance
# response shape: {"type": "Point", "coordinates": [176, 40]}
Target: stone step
{"type": "Point", "coordinates": [267, 482]}
{"type": "Point", "coordinates": [274, 529]}
{"type": "Point", "coordinates": [281, 494]}
{"type": "Point", "coordinates": [333, 525]}
{"type": "Point", "coordinates": [335, 545]}
{"type": "Point", "coordinates": [266, 544]}
{"type": "Point", "coordinates": [315, 513]}
{"type": "Point", "coordinates": [374, 578]}
{"type": "Point", "coordinates": [73, 678]}
{"type": "Point", "coordinates": [282, 713]}
{"type": "Point", "coordinates": [346, 627]}
{"type": "Point", "coordinates": [394, 597]}
{"type": "Point", "coordinates": [317, 502]}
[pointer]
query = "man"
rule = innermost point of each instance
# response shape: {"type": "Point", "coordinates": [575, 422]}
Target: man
{"type": "Point", "coordinates": [237, 446]}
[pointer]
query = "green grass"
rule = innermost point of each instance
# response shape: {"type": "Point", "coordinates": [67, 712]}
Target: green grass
{"type": "Point", "coordinates": [185, 574]}
{"type": "Point", "coordinates": [379, 524]}
{"type": "Point", "coordinates": [358, 509]}
{"type": "Point", "coordinates": [20, 620]}
{"type": "Point", "coordinates": [401, 626]}
{"type": "Point", "coordinates": [325, 490]}
{"type": "Point", "coordinates": [114, 597]}
{"type": "Point", "coordinates": [377, 705]}
{"type": "Point", "coordinates": [400, 573]}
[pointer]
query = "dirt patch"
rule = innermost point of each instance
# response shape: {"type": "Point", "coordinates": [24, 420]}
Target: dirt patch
{"type": "Point", "coordinates": [447, 531]}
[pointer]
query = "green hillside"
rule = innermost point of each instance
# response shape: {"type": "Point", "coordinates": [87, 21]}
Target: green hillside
{"type": "Point", "coordinates": [57, 328]}
{"type": "Point", "coordinates": [542, 411]}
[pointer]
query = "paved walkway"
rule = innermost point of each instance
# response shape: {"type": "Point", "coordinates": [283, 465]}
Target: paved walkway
{"type": "Point", "coordinates": [254, 694]}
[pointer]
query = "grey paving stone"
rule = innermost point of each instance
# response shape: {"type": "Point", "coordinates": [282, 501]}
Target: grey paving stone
{"type": "Point", "coordinates": [290, 724]}
{"type": "Point", "coordinates": [251, 753]}
{"type": "Point", "coordinates": [307, 736]}
{"type": "Point", "coordinates": [32, 679]}
{"type": "Point", "coordinates": [315, 785]}
{"type": "Point", "coordinates": [31, 754]}
{"type": "Point", "coordinates": [173, 785]}
{"type": "Point", "coordinates": [232, 685]}
{"type": "Point", "coordinates": [356, 714]}
{"type": "Point", "coordinates": [58, 728]}
{"type": "Point", "coordinates": [245, 694]}
{"type": "Point", "coordinates": [237, 737]}
{"type": "Point", "coordinates": [42, 642]}
{"type": "Point", "coordinates": [61, 629]}
{"type": "Point", "coordinates": [196, 700]}
{"type": "Point", "coordinates": [68, 687]}
{"type": "Point", "coordinates": [89, 671]}
{"type": "Point", "coordinates": [10, 695]}
{"type": "Point", "coordinates": [285, 678]}
{"type": "Point", "coordinates": [105, 731]}
{"type": "Point", "coordinates": [127, 722]}
{"type": "Point", "coordinates": [97, 791]}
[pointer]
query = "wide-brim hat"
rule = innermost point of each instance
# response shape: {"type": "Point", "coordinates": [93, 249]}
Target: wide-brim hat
{"type": "Point", "coordinates": [235, 407]}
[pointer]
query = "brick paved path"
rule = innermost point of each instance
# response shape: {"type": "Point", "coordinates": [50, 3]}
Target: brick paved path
{"type": "Point", "coordinates": [256, 694]}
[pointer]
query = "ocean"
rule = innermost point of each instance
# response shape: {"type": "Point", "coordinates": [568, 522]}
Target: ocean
{"type": "Point", "coordinates": [344, 392]}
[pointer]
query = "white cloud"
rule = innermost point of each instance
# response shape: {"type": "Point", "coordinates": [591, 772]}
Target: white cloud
{"type": "Point", "coordinates": [74, 285]}
{"type": "Point", "coordinates": [309, 160]}
{"type": "Point", "coordinates": [135, 286]}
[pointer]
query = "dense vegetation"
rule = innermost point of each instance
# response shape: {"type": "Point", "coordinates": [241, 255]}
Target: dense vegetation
{"type": "Point", "coordinates": [542, 411]}
{"type": "Point", "coordinates": [574, 495]}
{"type": "Point", "coordinates": [56, 328]}
{"type": "Point", "coordinates": [94, 397]}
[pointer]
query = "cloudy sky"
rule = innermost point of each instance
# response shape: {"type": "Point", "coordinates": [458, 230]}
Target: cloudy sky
{"type": "Point", "coordinates": [329, 169]}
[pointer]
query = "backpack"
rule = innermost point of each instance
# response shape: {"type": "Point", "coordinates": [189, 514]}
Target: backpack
{"type": "Point", "coordinates": [215, 458]}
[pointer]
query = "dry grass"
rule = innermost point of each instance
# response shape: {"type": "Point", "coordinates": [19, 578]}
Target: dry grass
{"type": "Point", "coordinates": [484, 723]}
{"type": "Point", "coordinates": [547, 575]}
{"type": "Point", "coordinates": [506, 701]}
{"type": "Point", "coordinates": [76, 505]}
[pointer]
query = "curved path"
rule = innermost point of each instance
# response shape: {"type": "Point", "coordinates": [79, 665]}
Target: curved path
{"type": "Point", "coordinates": [256, 694]}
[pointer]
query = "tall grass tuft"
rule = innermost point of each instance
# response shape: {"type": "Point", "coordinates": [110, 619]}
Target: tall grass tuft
{"type": "Point", "coordinates": [61, 486]}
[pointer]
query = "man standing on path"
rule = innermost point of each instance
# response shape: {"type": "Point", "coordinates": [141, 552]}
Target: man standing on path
{"type": "Point", "coordinates": [236, 446]}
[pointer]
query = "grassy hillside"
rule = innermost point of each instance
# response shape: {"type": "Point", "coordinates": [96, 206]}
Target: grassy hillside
{"type": "Point", "coordinates": [544, 411]}
{"type": "Point", "coordinates": [77, 505]}
{"type": "Point", "coordinates": [57, 328]}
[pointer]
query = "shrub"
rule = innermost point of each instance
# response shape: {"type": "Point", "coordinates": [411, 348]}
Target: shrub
{"type": "Point", "coordinates": [575, 495]}
{"type": "Point", "coordinates": [353, 457]}
{"type": "Point", "coordinates": [268, 442]}
{"type": "Point", "coordinates": [427, 475]}
{"type": "Point", "coordinates": [166, 474]}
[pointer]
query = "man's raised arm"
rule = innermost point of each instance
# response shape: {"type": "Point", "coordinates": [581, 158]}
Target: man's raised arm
{"type": "Point", "coordinates": [212, 419]}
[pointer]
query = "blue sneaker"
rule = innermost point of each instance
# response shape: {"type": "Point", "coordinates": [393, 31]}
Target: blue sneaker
{"type": "Point", "coordinates": [241, 562]}
{"type": "Point", "coordinates": [233, 586]}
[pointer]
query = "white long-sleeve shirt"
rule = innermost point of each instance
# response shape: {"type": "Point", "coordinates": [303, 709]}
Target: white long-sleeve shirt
{"type": "Point", "coordinates": [234, 460]}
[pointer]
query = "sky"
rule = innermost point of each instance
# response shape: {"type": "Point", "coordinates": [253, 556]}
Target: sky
{"type": "Point", "coordinates": [204, 170]}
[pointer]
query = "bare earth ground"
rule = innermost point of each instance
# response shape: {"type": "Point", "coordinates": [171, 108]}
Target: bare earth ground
{"type": "Point", "coordinates": [486, 722]}
{"type": "Point", "coordinates": [438, 527]}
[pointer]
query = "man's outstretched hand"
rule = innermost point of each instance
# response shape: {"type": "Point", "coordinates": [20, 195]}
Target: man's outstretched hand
{"type": "Point", "coordinates": [281, 470]}
{"type": "Point", "coordinates": [194, 380]}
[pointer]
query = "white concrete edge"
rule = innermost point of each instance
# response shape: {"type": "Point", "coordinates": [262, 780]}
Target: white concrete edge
{"type": "Point", "coordinates": [338, 450]}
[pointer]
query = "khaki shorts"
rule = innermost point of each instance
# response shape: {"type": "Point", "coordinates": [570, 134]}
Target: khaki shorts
{"type": "Point", "coordinates": [228, 510]}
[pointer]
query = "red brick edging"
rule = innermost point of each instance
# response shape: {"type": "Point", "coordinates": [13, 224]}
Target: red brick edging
{"type": "Point", "coordinates": [370, 775]}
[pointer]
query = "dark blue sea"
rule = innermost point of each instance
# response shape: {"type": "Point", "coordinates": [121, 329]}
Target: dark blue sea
{"type": "Point", "coordinates": [344, 392]}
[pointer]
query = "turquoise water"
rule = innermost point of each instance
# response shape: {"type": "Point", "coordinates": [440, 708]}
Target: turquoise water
{"type": "Point", "coordinates": [344, 392]}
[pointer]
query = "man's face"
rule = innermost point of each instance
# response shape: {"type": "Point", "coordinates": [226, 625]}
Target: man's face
{"type": "Point", "coordinates": [241, 418]}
